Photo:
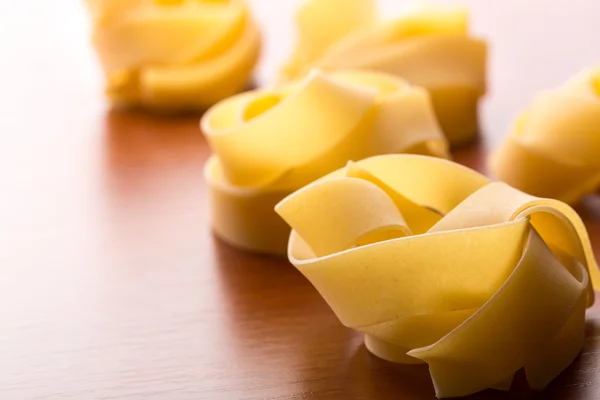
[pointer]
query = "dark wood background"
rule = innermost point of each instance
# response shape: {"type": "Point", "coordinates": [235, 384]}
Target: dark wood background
{"type": "Point", "coordinates": [112, 285]}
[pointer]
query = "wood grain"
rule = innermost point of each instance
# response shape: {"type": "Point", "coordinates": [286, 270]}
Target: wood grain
{"type": "Point", "coordinates": [112, 284]}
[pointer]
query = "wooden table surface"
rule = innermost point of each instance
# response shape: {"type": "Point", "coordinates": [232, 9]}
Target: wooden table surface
{"type": "Point", "coordinates": [112, 285]}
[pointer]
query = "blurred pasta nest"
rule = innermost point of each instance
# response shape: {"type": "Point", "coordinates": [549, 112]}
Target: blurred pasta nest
{"type": "Point", "coordinates": [430, 48]}
{"type": "Point", "coordinates": [553, 149]}
{"type": "Point", "coordinates": [436, 264]}
{"type": "Point", "coordinates": [174, 55]}
{"type": "Point", "coordinates": [270, 142]}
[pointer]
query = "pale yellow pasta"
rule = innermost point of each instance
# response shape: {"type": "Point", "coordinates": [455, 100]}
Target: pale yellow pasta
{"type": "Point", "coordinates": [269, 142]}
{"type": "Point", "coordinates": [430, 48]}
{"type": "Point", "coordinates": [436, 264]}
{"type": "Point", "coordinates": [553, 149]}
{"type": "Point", "coordinates": [174, 55]}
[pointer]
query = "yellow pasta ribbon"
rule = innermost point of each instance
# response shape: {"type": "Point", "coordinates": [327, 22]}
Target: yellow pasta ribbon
{"type": "Point", "coordinates": [270, 142]}
{"type": "Point", "coordinates": [174, 55]}
{"type": "Point", "coordinates": [436, 264]}
{"type": "Point", "coordinates": [553, 149]}
{"type": "Point", "coordinates": [430, 48]}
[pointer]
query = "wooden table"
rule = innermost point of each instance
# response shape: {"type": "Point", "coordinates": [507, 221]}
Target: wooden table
{"type": "Point", "coordinates": [112, 285]}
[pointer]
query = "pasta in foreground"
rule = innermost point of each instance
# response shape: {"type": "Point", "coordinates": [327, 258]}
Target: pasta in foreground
{"type": "Point", "coordinates": [429, 260]}
{"type": "Point", "coordinates": [269, 142]}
